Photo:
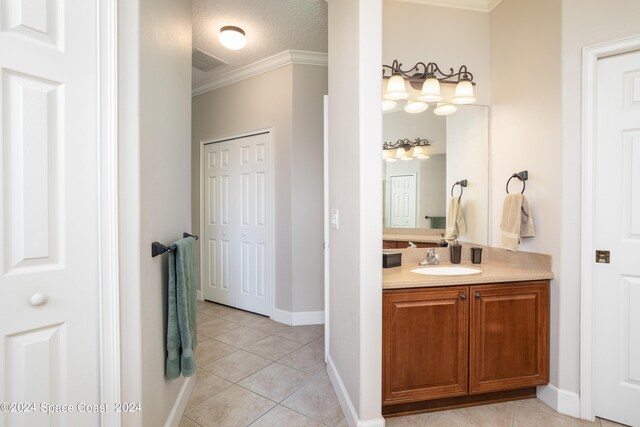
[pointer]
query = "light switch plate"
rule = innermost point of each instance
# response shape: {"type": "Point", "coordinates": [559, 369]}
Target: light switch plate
{"type": "Point", "coordinates": [334, 218]}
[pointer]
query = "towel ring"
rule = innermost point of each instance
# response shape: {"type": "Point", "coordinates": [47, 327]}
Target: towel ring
{"type": "Point", "coordinates": [462, 184]}
{"type": "Point", "coordinates": [522, 176]}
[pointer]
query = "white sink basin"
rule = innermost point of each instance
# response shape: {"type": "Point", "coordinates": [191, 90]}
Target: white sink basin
{"type": "Point", "coordinates": [446, 271]}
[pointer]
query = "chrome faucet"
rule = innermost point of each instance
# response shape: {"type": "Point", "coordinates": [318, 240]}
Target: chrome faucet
{"type": "Point", "coordinates": [432, 258]}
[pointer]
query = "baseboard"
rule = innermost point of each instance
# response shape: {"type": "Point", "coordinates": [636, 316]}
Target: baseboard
{"type": "Point", "coordinates": [349, 411]}
{"type": "Point", "coordinates": [563, 401]}
{"type": "Point", "coordinates": [298, 318]}
{"type": "Point", "coordinates": [175, 416]}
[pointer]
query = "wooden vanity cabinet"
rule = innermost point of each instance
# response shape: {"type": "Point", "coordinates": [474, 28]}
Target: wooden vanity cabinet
{"type": "Point", "coordinates": [509, 336]}
{"type": "Point", "coordinates": [456, 346]}
{"type": "Point", "coordinates": [425, 343]}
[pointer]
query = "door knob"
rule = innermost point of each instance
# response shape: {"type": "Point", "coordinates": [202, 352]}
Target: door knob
{"type": "Point", "coordinates": [224, 233]}
{"type": "Point", "coordinates": [478, 296]}
{"type": "Point", "coordinates": [244, 234]}
{"type": "Point", "coordinates": [463, 296]}
{"type": "Point", "coordinates": [38, 299]}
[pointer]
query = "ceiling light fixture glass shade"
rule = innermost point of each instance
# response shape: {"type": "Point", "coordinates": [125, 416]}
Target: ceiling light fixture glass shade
{"type": "Point", "coordinates": [417, 152]}
{"type": "Point", "coordinates": [464, 93]}
{"type": "Point", "coordinates": [415, 107]}
{"type": "Point", "coordinates": [444, 109]}
{"type": "Point", "coordinates": [388, 105]}
{"type": "Point", "coordinates": [386, 155]}
{"type": "Point", "coordinates": [396, 89]}
{"type": "Point", "coordinates": [232, 37]}
{"type": "Point", "coordinates": [430, 91]}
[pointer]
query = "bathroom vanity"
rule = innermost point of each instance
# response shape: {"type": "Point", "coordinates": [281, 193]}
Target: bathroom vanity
{"type": "Point", "coordinates": [453, 341]}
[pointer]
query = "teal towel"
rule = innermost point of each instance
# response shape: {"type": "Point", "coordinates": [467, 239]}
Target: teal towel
{"type": "Point", "coordinates": [181, 316]}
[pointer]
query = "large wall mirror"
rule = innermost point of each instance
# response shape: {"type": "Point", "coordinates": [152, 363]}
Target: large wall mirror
{"type": "Point", "coordinates": [417, 184]}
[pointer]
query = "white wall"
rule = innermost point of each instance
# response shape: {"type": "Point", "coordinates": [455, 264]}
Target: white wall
{"type": "Point", "coordinates": [468, 158]}
{"type": "Point", "coordinates": [288, 100]}
{"type": "Point", "coordinates": [307, 188]}
{"type": "Point", "coordinates": [355, 125]}
{"type": "Point", "coordinates": [154, 187]}
{"type": "Point", "coordinates": [450, 37]}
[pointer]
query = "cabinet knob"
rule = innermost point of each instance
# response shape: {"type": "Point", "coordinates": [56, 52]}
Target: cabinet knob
{"type": "Point", "coordinates": [463, 296]}
{"type": "Point", "coordinates": [38, 299]}
{"type": "Point", "coordinates": [478, 296]}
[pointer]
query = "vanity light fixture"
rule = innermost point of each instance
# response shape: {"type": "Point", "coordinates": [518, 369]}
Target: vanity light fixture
{"type": "Point", "coordinates": [444, 109]}
{"type": "Point", "coordinates": [388, 105]}
{"type": "Point", "coordinates": [403, 147]}
{"type": "Point", "coordinates": [232, 37]}
{"type": "Point", "coordinates": [414, 107]}
{"type": "Point", "coordinates": [396, 89]}
{"type": "Point", "coordinates": [427, 78]}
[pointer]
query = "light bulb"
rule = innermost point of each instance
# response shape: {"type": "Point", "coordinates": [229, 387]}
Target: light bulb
{"type": "Point", "coordinates": [444, 109]}
{"type": "Point", "coordinates": [418, 151]}
{"type": "Point", "coordinates": [464, 93]}
{"type": "Point", "coordinates": [396, 89]}
{"type": "Point", "coordinates": [414, 107]}
{"type": "Point", "coordinates": [232, 37]}
{"type": "Point", "coordinates": [388, 105]}
{"type": "Point", "coordinates": [430, 91]}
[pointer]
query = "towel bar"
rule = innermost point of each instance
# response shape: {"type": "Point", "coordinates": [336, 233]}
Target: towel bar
{"type": "Point", "coordinates": [158, 248]}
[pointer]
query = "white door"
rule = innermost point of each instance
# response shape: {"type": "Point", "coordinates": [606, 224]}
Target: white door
{"type": "Point", "coordinates": [403, 201]}
{"type": "Point", "coordinates": [237, 223]}
{"type": "Point", "coordinates": [617, 229]}
{"type": "Point", "coordinates": [49, 326]}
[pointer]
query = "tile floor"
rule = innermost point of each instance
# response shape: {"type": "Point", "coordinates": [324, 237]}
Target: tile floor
{"type": "Point", "coordinates": [254, 371]}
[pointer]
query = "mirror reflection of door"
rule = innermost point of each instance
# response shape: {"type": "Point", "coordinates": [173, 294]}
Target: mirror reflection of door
{"type": "Point", "coordinates": [403, 201]}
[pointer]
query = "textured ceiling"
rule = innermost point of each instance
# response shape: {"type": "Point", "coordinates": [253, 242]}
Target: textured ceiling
{"type": "Point", "coordinates": [272, 26]}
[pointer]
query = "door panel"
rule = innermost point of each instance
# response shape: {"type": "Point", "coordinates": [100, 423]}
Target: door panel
{"type": "Point", "coordinates": [403, 201]}
{"type": "Point", "coordinates": [617, 229]}
{"type": "Point", "coordinates": [424, 344]}
{"type": "Point", "coordinates": [239, 252]}
{"type": "Point", "coordinates": [509, 336]}
{"type": "Point", "coordinates": [49, 338]}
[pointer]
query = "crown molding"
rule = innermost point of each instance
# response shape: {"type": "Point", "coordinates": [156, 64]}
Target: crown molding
{"type": "Point", "coordinates": [476, 5]}
{"type": "Point", "coordinates": [282, 59]}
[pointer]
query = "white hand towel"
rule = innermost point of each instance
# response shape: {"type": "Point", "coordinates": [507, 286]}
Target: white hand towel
{"type": "Point", "coordinates": [517, 221]}
{"type": "Point", "coordinates": [455, 220]}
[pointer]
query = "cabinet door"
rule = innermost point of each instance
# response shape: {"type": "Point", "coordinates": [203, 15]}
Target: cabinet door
{"type": "Point", "coordinates": [424, 344]}
{"type": "Point", "coordinates": [509, 336]}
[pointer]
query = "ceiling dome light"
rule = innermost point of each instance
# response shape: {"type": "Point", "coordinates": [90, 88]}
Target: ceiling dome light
{"type": "Point", "coordinates": [464, 93]}
{"type": "Point", "coordinates": [396, 90]}
{"type": "Point", "coordinates": [232, 37]}
{"type": "Point", "coordinates": [444, 109]}
{"type": "Point", "coordinates": [415, 107]}
{"type": "Point", "coordinates": [388, 105]}
{"type": "Point", "coordinates": [430, 91]}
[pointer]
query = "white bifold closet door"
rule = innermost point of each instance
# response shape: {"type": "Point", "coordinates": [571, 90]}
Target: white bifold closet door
{"type": "Point", "coordinates": [237, 223]}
